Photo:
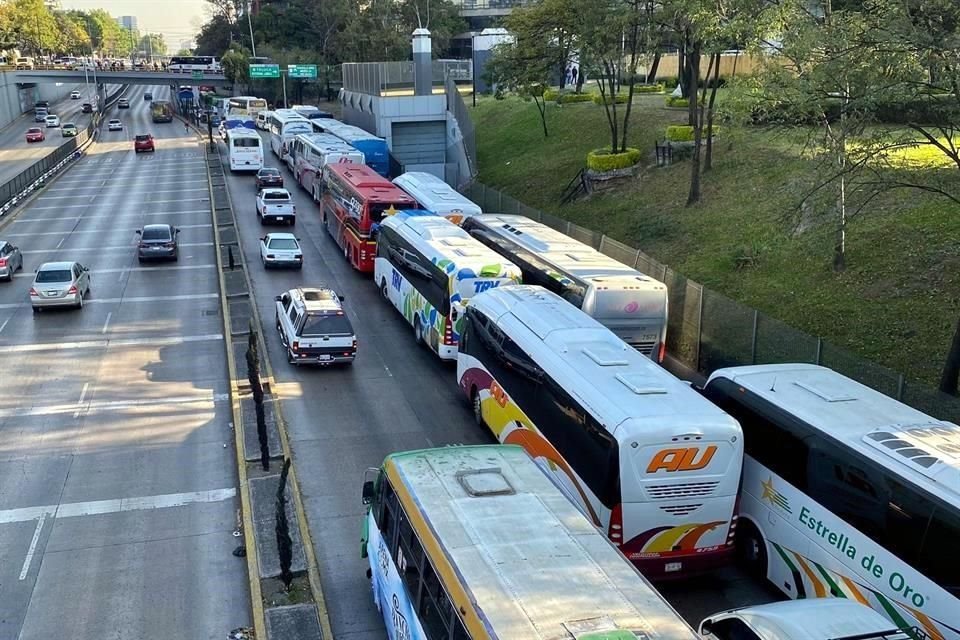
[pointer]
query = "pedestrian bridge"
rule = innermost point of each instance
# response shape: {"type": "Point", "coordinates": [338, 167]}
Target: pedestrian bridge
{"type": "Point", "coordinates": [133, 76]}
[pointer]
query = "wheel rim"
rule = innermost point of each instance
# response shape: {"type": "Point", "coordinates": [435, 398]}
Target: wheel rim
{"type": "Point", "coordinates": [383, 289]}
{"type": "Point", "coordinates": [477, 408]}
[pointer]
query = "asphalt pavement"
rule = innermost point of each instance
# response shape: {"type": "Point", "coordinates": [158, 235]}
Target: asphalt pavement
{"type": "Point", "coordinates": [395, 397]}
{"type": "Point", "coordinates": [117, 471]}
{"type": "Point", "coordinates": [16, 153]}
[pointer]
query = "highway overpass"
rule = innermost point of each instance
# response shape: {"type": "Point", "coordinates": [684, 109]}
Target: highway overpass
{"type": "Point", "coordinates": [144, 77]}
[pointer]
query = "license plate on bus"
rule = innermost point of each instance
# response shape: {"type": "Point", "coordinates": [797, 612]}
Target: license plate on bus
{"type": "Point", "coordinates": [672, 567]}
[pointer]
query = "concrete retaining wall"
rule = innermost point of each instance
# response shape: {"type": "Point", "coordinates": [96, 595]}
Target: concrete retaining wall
{"type": "Point", "coordinates": [16, 100]}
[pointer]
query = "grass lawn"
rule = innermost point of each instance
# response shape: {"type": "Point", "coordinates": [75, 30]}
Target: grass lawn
{"type": "Point", "coordinates": [897, 302]}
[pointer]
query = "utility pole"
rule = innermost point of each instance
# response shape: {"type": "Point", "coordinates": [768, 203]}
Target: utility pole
{"type": "Point", "coordinates": [253, 44]}
{"type": "Point", "coordinates": [39, 37]}
{"type": "Point", "coordinates": [283, 77]}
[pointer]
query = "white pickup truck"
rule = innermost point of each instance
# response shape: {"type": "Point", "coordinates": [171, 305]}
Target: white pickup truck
{"type": "Point", "coordinates": [276, 205]}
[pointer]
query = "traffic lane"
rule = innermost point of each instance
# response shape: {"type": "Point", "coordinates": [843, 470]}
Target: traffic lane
{"type": "Point", "coordinates": [342, 420]}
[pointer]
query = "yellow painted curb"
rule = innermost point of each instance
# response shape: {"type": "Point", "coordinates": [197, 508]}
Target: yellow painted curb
{"type": "Point", "coordinates": [313, 571]}
{"type": "Point", "coordinates": [253, 561]}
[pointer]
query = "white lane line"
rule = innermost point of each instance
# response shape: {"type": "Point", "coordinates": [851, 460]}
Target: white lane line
{"type": "Point", "coordinates": [110, 216]}
{"type": "Point", "coordinates": [33, 547]}
{"type": "Point", "coordinates": [106, 323]}
{"type": "Point", "coordinates": [188, 296]}
{"type": "Point", "coordinates": [83, 394]}
{"type": "Point", "coordinates": [119, 247]}
{"type": "Point", "coordinates": [4, 325]}
{"type": "Point", "coordinates": [96, 507]}
{"type": "Point", "coordinates": [115, 405]}
{"type": "Point", "coordinates": [145, 182]}
{"type": "Point", "coordinates": [130, 230]}
{"type": "Point", "coordinates": [60, 244]}
{"type": "Point", "coordinates": [103, 344]}
{"type": "Point", "coordinates": [124, 270]}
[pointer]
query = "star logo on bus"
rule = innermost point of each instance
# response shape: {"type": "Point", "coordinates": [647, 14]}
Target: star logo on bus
{"type": "Point", "coordinates": [774, 497]}
{"type": "Point", "coordinates": [391, 211]}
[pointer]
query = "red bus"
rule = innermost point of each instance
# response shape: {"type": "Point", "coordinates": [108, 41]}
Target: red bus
{"type": "Point", "coordinates": [355, 197]}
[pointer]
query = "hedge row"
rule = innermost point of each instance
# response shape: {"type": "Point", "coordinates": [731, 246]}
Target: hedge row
{"type": "Point", "coordinates": [648, 88]}
{"type": "Point", "coordinates": [568, 98]}
{"type": "Point", "coordinates": [603, 160]}
{"type": "Point", "coordinates": [620, 98]}
{"type": "Point", "coordinates": [684, 133]}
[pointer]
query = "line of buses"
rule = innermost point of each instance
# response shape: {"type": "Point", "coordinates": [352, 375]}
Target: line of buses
{"type": "Point", "coordinates": [818, 483]}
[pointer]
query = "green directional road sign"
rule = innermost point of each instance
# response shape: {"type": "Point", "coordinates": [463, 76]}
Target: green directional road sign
{"type": "Point", "coordinates": [302, 70]}
{"type": "Point", "coordinates": [197, 74]}
{"type": "Point", "coordinates": [264, 71]}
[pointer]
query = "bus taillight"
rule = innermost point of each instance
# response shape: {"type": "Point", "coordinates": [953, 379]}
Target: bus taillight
{"type": "Point", "coordinates": [615, 531]}
{"type": "Point", "coordinates": [662, 352]}
{"type": "Point", "coordinates": [448, 331]}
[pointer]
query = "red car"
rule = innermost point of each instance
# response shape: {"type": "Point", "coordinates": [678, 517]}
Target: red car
{"type": "Point", "coordinates": [35, 134]}
{"type": "Point", "coordinates": [143, 142]}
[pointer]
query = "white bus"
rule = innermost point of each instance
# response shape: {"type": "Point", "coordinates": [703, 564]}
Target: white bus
{"type": "Point", "coordinates": [246, 106]}
{"type": "Point", "coordinates": [847, 492]}
{"type": "Point", "coordinates": [649, 460]}
{"type": "Point", "coordinates": [429, 268]}
{"type": "Point", "coordinates": [187, 64]}
{"type": "Point", "coordinates": [629, 303]}
{"type": "Point", "coordinates": [285, 125]}
{"type": "Point", "coordinates": [311, 152]}
{"type": "Point", "coordinates": [310, 112]}
{"type": "Point", "coordinates": [245, 149]}
{"type": "Point", "coordinates": [474, 542]}
{"type": "Point", "coordinates": [437, 196]}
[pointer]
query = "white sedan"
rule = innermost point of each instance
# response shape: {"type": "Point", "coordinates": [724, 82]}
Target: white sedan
{"type": "Point", "coordinates": [52, 121]}
{"type": "Point", "coordinates": [74, 95]}
{"type": "Point", "coordinates": [114, 125]}
{"type": "Point", "coordinates": [281, 250]}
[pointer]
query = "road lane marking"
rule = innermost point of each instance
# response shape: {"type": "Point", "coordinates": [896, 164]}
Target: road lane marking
{"type": "Point", "coordinates": [95, 196]}
{"type": "Point", "coordinates": [4, 325]}
{"type": "Point", "coordinates": [83, 394]}
{"type": "Point", "coordinates": [106, 323]}
{"type": "Point", "coordinates": [186, 296]}
{"type": "Point", "coordinates": [124, 270]}
{"type": "Point", "coordinates": [119, 247]}
{"type": "Point", "coordinates": [59, 244]}
{"type": "Point", "coordinates": [60, 233]}
{"type": "Point", "coordinates": [95, 406]}
{"type": "Point", "coordinates": [112, 217]}
{"type": "Point", "coordinates": [159, 341]}
{"type": "Point", "coordinates": [33, 547]}
{"type": "Point", "coordinates": [145, 182]}
{"type": "Point", "coordinates": [99, 507]}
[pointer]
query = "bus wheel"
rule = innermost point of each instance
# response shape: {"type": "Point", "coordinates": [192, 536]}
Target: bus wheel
{"type": "Point", "coordinates": [477, 407]}
{"type": "Point", "coordinates": [751, 549]}
{"type": "Point", "coordinates": [417, 332]}
{"type": "Point", "coordinates": [383, 289]}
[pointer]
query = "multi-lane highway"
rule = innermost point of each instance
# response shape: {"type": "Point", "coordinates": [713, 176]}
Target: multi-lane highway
{"type": "Point", "coordinates": [117, 472]}
{"type": "Point", "coordinates": [16, 153]}
{"type": "Point", "coordinates": [395, 397]}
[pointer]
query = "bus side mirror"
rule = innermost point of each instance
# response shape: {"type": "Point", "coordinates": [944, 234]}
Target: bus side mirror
{"type": "Point", "coordinates": [341, 298]}
{"type": "Point", "coordinates": [369, 491]}
{"type": "Point", "coordinates": [278, 298]}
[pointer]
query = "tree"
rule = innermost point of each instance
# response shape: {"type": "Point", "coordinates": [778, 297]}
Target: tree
{"type": "Point", "coordinates": [152, 44]}
{"type": "Point", "coordinates": [521, 67]}
{"type": "Point", "coordinates": [30, 26]}
{"type": "Point", "coordinates": [236, 64]}
{"type": "Point", "coordinates": [215, 37]}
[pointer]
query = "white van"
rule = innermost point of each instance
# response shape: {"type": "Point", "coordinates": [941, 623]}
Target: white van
{"type": "Point", "coordinates": [263, 119]}
{"type": "Point", "coordinates": [437, 196]}
{"type": "Point", "coordinates": [813, 619]}
{"type": "Point", "coordinates": [25, 63]}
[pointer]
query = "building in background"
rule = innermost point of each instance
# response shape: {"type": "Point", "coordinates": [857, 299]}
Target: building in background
{"type": "Point", "coordinates": [480, 15]}
{"type": "Point", "coordinates": [128, 22]}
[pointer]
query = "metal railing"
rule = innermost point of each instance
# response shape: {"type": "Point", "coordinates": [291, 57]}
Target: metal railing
{"type": "Point", "coordinates": [397, 78]}
{"type": "Point", "coordinates": [458, 108]}
{"type": "Point", "coordinates": [707, 330]}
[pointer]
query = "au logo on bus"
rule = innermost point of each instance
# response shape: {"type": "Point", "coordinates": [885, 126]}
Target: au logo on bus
{"type": "Point", "coordinates": [681, 459]}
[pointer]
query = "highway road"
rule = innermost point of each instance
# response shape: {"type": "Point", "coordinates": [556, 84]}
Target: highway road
{"type": "Point", "coordinates": [16, 153]}
{"type": "Point", "coordinates": [117, 471]}
{"type": "Point", "coordinates": [395, 397]}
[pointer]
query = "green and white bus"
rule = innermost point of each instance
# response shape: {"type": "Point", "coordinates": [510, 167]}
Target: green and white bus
{"type": "Point", "coordinates": [478, 543]}
{"type": "Point", "coordinates": [847, 493]}
{"type": "Point", "coordinates": [428, 268]}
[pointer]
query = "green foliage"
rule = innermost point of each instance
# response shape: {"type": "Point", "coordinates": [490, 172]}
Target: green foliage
{"type": "Point", "coordinates": [603, 160]}
{"type": "Point", "coordinates": [236, 65]}
{"type": "Point", "coordinates": [551, 95]}
{"type": "Point", "coordinates": [684, 133]}
{"type": "Point", "coordinates": [570, 98]}
{"type": "Point", "coordinates": [648, 88]}
{"type": "Point", "coordinates": [677, 102]}
{"type": "Point", "coordinates": [620, 98]}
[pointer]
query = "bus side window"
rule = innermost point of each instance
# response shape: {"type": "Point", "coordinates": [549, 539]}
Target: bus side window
{"type": "Point", "coordinates": [838, 483]}
{"type": "Point", "coordinates": [388, 526]}
{"type": "Point", "coordinates": [941, 566]}
{"type": "Point", "coordinates": [409, 556]}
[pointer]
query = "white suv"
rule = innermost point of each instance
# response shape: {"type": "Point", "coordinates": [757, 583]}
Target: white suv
{"type": "Point", "coordinates": [314, 328]}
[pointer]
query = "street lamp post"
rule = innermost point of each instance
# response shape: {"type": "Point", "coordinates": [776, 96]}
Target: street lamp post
{"type": "Point", "coordinates": [253, 45]}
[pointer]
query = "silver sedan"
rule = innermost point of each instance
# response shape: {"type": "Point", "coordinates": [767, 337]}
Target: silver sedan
{"type": "Point", "coordinates": [60, 284]}
{"type": "Point", "coordinates": [11, 260]}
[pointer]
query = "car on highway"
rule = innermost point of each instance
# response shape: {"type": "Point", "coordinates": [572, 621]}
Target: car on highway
{"type": "Point", "coordinates": [123, 103]}
{"type": "Point", "coordinates": [276, 205]}
{"type": "Point", "coordinates": [143, 142]}
{"type": "Point", "coordinates": [281, 250]}
{"type": "Point", "coordinates": [35, 134]}
{"type": "Point", "coordinates": [808, 619]}
{"type": "Point", "coordinates": [59, 284]}
{"type": "Point", "coordinates": [269, 177]}
{"type": "Point", "coordinates": [24, 63]}
{"type": "Point", "coordinates": [40, 115]}
{"type": "Point", "coordinates": [114, 125]}
{"type": "Point", "coordinates": [11, 260]}
{"type": "Point", "coordinates": [52, 121]}
{"type": "Point", "coordinates": [42, 104]}
{"type": "Point", "coordinates": [148, 96]}
{"type": "Point", "coordinates": [68, 130]}
{"type": "Point", "coordinates": [157, 241]}
{"type": "Point", "coordinates": [74, 95]}
{"type": "Point", "coordinates": [314, 328]}
{"type": "Point", "coordinates": [86, 107]}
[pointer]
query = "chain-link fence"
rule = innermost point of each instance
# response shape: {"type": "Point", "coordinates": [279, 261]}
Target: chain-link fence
{"type": "Point", "coordinates": [707, 331]}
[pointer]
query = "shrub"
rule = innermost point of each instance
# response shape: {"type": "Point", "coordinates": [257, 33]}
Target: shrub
{"type": "Point", "coordinates": [568, 98]}
{"type": "Point", "coordinates": [684, 133]}
{"type": "Point", "coordinates": [677, 101]}
{"type": "Point", "coordinates": [551, 94]}
{"type": "Point", "coordinates": [620, 98]}
{"type": "Point", "coordinates": [648, 88]}
{"type": "Point", "coordinates": [602, 160]}
{"type": "Point", "coordinates": [670, 82]}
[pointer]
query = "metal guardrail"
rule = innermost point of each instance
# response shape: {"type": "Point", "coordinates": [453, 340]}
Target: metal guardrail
{"type": "Point", "coordinates": [385, 78]}
{"type": "Point", "coordinates": [37, 174]}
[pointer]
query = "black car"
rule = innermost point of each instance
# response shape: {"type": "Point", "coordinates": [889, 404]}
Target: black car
{"type": "Point", "coordinates": [87, 107]}
{"type": "Point", "coordinates": [269, 177]}
{"type": "Point", "coordinates": [148, 96]}
{"type": "Point", "coordinates": [157, 241]}
{"type": "Point", "coordinates": [43, 104]}
{"type": "Point", "coordinates": [123, 103]}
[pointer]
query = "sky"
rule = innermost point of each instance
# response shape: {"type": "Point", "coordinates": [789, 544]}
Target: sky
{"type": "Point", "coordinates": [177, 20]}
